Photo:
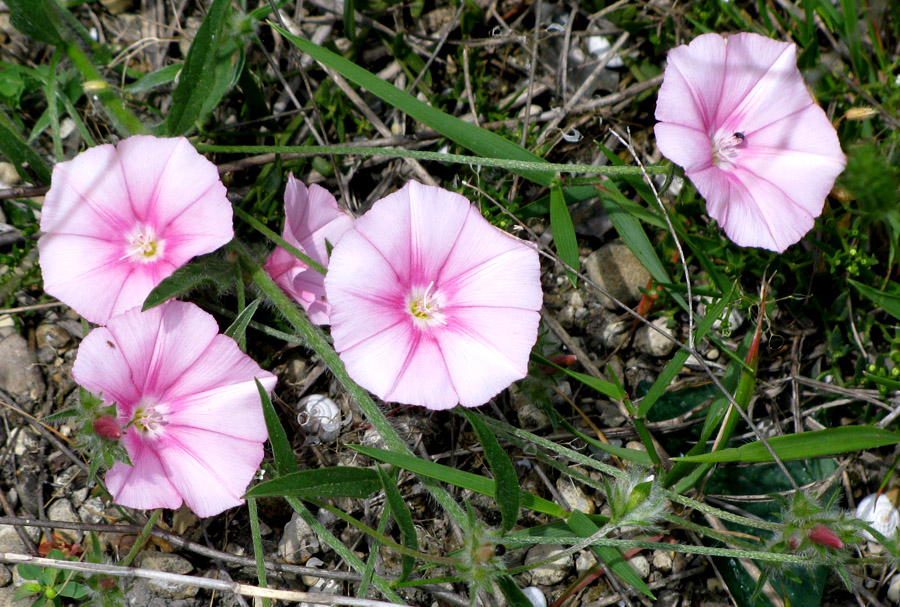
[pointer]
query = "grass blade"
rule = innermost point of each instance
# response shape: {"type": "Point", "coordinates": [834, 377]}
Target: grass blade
{"type": "Point", "coordinates": [401, 514]}
{"type": "Point", "coordinates": [503, 470]}
{"type": "Point", "coordinates": [285, 462]}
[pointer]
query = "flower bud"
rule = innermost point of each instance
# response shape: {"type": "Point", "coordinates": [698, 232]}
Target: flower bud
{"type": "Point", "coordinates": [106, 426]}
{"type": "Point", "coordinates": [824, 536]}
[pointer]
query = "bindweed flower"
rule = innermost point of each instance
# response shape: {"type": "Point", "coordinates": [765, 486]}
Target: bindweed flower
{"type": "Point", "coordinates": [312, 218]}
{"type": "Point", "coordinates": [119, 219]}
{"type": "Point", "coordinates": [735, 113]}
{"type": "Point", "coordinates": [185, 397]}
{"type": "Point", "coordinates": [431, 304]}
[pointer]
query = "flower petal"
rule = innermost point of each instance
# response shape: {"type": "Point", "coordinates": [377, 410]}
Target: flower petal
{"type": "Point", "coordinates": [510, 280]}
{"type": "Point", "coordinates": [486, 349]}
{"type": "Point", "coordinates": [145, 485]}
{"type": "Point", "coordinates": [209, 470]}
{"type": "Point", "coordinates": [423, 379]}
{"type": "Point", "coordinates": [693, 82]}
{"type": "Point", "coordinates": [376, 362]}
{"type": "Point", "coordinates": [101, 368]}
{"type": "Point", "coordinates": [683, 145]}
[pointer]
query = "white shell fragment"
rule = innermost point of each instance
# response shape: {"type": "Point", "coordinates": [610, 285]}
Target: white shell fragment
{"type": "Point", "coordinates": [534, 594]}
{"type": "Point", "coordinates": [320, 417]}
{"type": "Point", "coordinates": [881, 514]}
{"type": "Point", "coordinates": [598, 46]}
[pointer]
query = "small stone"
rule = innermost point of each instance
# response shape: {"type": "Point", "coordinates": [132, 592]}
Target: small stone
{"type": "Point", "coordinates": [616, 269]}
{"type": "Point", "coordinates": [90, 510]}
{"type": "Point", "coordinates": [535, 596]}
{"type": "Point", "coordinates": [62, 510]}
{"type": "Point", "coordinates": [574, 496]}
{"type": "Point", "coordinates": [893, 593]}
{"type": "Point", "coordinates": [649, 341]}
{"type": "Point", "coordinates": [9, 177]}
{"type": "Point", "coordinates": [171, 563]}
{"type": "Point", "coordinates": [5, 576]}
{"type": "Point", "coordinates": [641, 565]}
{"type": "Point", "coordinates": [48, 334]}
{"type": "Point", "coordinates": [614, 333]}
{"type": "Point", "coordinates": [19, 372]}
{"type": "Point", "coordinates": [585, 562]}
{"type": "Point", "coordinates": [553, 572]}
{"type": "Point", "coordinates": [10, 540]}
{"type": "Point", "coordinates": [299, 541]}
{"type": "Point", "coordinates": [668, 598]}
{"type": "Point", "coordinates": [662, 560]}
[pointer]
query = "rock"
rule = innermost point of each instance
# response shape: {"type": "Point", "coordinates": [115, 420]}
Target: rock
{"type": "Point", "coordinates": [171, 563]}
{"type": "Point", "coordinates": [574, 496]}
{"type": "Point", "coordinates": [662, 561]}
{"type": "Point", "coordinates": [641, 565]}
{"type": "Point", "coordinates": [5, 576]}
{"type": "Point", "coordinates": [323, 586]}
{"type": "Point", "coordinates": [649, 341]}
{"type": "Point", "coordinates": [90, 510]}
{"type": "Point", "coordinates": [893, 593]}
{"type": "Point", "coordinates": [19, 373]}
{"type": "Point", "coordinates": [668, 598]}
{"type": "Point", "coordinates": [62, 510]}
{"type": "Point", "coordinates": [616, 269]}
{"type": "Point", "coordinates": [614, 333]}
{"type": "Point", "coordinates": [11, 542]}
{"type": "Point", "coordinates": [553, 572]}
{"type": "Point", "coordinates": [299, 541]}
{"type": "Point", "coordinates": [585, 562]}
{"type": "Point", "coordinates": [48, 334]}
{"type": "Point", "coordinates": [534, 594]}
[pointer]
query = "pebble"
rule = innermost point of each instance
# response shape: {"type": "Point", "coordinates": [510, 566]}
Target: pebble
{"type": "Point", "coordinates": [641, 565]}
{"type": "Point", "coordinates": [19, 372]}
{"type": "Point", "coordinates": [530, 416]}
{"type": "Point", "coordinates": [616, 269]}
{"type": "Point", "coordinates": [323, 586]}
{"type": "Point", "coordinates": [5, 576]}
{"type": "Point", "coordinates": [299, 541]}
{"type": "Point", "coordinates": [62, 510]}
{"type": "Point", "coordinates": [662, 560]}
{"type": "Point", "coordinates": [614, 333]}
{"type": "Point", "coordinates": [535, 596]}
{"type": "Point", "coordinates": [893, 593]}
{"type": "Point", "coordinates": [649, 341]}
{"type": "Point", "coordinates": [171, 563]}
{"type": "Point", "coordinates": [585, 562]}
{"type": "Point", "coordinates": [574, 496]}
{"type": "Point", "coordinates": [48, 334]}
{"type": "Point", "coordinates": [553, 572]}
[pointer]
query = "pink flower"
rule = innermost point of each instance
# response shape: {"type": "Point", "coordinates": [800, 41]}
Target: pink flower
{"type": "Point", "coordinates": [312, 217]}
{"type": "Point", "coordinates": [119, 219]}
{"type": "Point", "coordinates": [185, 396]}
{"type": "Point", "coordinates": [737, 116]}
{"type": "Point", "coordinates": [822, 535]}
{"type": "Point", "coordinates": [431, 305]}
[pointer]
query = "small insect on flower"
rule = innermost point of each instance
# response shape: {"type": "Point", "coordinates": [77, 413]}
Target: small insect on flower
{"type": "Point", "coordinates": [739, 136]}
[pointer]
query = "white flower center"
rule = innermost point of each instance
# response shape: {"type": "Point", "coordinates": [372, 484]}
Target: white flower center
{"type": "Point", "coordinates": [142, 245]}
{"type": "Point", "coordinates": [150, 419]}
{"type": "Point", "coordinates": [726, 149]}
{"type": "Point", "coordinates": [425, 307]}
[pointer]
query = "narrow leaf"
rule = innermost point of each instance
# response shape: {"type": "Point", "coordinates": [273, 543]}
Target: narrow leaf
{"type": "Point", "coordinates": [238, 329]}
{"type": "Point", "coordinates": [889, 302]}
{"type": "Point", "coordinates": [401, 514]}
{"type": "Point", "coordinates": [563, 230]}
{"type": "Point", "coordinates": [481, 141]}
{"type": "Point", "coordinates": [337, 481]}
{"type": "Point", "coordinates": [583, 526]}
{"type": "Point", "coordinates": [285, 461]}
{"type": "Point", "coordinates": [36, 19]}
{"type": "Point", "coordinates": [198, 76]}
{"type": "Point", "coordinates": [189, 277]}
{"type": "Point", "coordinates": [505, 477]}
{"type": "Point", "coordinates": [14, 147]}
{"type": "Point", "coordinates": [514, 595]}
{"type": "Point", "coordinates": [603, 387]}
{"type": "Point", "coordinates": [820, 443]}
{"type": "Point", "coordinates": [465, 480]}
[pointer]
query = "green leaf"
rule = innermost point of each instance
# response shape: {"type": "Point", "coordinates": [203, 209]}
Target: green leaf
{"type": "Point", "coordinates": [285, 461]}
{"type": "Point", "coordinates": [889, 302]}
{"type": "Point", "coordinates": [199, 75]}
{"type": "Point", "coordinates": [466, 480]}
{"type": "Point", "coordinates": [160, 77]}
{"type": "Point", "coordinates": [36, 19]}
{"type": "Point", "coordinates": [674, 366]}
{"type": "Point", "coordinates": [237, 330]}
{"type": "Point", "coordinates": [14, 147]}
{"type": "Point", "coordinates": [583, 526]}
{"type": "Point", "coordinates": [74, 590]}
{"type": "Point", "coordinates": [337, 481]}
{"type": "Point", "coordinates": [563, 230]}
{"type": "Point", "coordinates": [30, 572]}
{"type": "Point", "coordinates": [505, 477]}
{"type": "Point", "coordinates": [820, 443]}
{"type": "Point", "coordinates": [186, 278]}
{"type": "Point", "coordinates": [481, 141]}
{"type": "Point", "coordinates": [891, 384]}
{"type": "Point", "coordinates": [400, 511]}
{"type": "Point", "coordinates": [641, 458]}
{"type": "Point", "coordinates": [603, 387]}
{"type": "Point", "coordinates": [26, 590]}
{"type": "Point", "coordinates": [514, 595]}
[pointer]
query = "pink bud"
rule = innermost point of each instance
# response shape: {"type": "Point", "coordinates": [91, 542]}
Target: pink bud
{"type": "Point", "coordinates": [824, 536]}
{"type": "Point", "coordinates": [793, 542]}
{"type": "Point", "coordinates": [108, 427]}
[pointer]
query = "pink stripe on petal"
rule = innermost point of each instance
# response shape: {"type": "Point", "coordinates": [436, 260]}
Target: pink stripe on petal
{"type": "Point", "coordinates": [437, 217]}
{"type": "Point", "coordinates": [235, 403]}
{"type": "Point", "coordinates": [424, 379]}
{"type": "Point", "coordinates": [209, 470]}
{"type": "Point", "coordinates": [144, 486]}
{"type": "Point", "coordinates": [506, 281]}
{"type": "Point", "coordinates": [376, 362]}
{"type": "Point", "coordinates": [388, 231]}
